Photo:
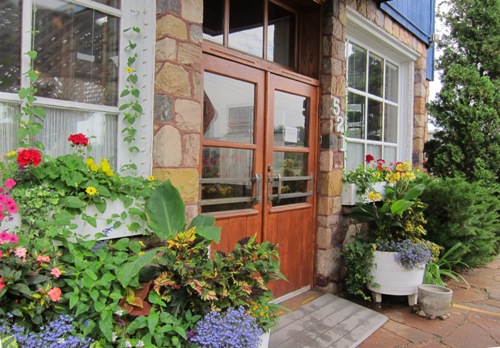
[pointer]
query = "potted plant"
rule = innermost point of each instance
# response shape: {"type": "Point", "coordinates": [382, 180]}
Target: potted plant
{"type": "Point", "coordinates": [365, 183]}
{"type": "Point", "coordinates": [395, 233]}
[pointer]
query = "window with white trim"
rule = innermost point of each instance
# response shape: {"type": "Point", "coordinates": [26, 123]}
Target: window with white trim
{"type": "Point", "coordinates": [379, 104]}
{"type": "Point", "coordinates": [81, 53]}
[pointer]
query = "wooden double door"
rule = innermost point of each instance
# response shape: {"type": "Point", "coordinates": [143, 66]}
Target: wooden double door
{"type": "Point", "coordinates": [258, 167]}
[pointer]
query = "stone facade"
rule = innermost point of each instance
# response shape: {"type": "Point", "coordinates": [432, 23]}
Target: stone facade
{"type": "Point", "coordinates": [178, 114]}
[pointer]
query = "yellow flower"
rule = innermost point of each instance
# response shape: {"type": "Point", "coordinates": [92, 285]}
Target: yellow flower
{"type": "Point", "coordinates": [91, 190]}
{"type": "Point", "coordinates": [89, 161]}
{"type": "Point", "coordinates": [94, 167]}
{"type": "Point", "coordinates": [374, 196]}
{"type": "Point", "coordinates": [140, 253]}
{"type": "Point", "coordinates": [128, 69]}
{"type": "Point", "coordinates": [151, 178]}
{"type": "Point", "coordinates": [109, 172]}
{"type": "Point", "coordinates": [142, 244]}
{"type": "Point", "coordinates": [12, 153]}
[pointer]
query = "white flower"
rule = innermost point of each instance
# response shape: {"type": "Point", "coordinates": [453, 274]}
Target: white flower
{"type": "Point", "coordinates": [119, 312]}
{"type": "Point", "coordinates": [128, 344]}
{"type": "Point", "coordinates": [114, 336]}
{"type": "Point", "coordinates": [59, 341]}
{"type": "Point", "coordinates": [140, 344]}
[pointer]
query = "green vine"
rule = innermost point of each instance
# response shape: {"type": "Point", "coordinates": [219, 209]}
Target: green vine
{"type": "Point", "coordinates": [132, 109]}
{"type": "Point", "coordinates": [30, 116]}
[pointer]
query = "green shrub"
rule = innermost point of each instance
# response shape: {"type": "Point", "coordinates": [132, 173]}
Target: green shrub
{"type": "Point", "coordinates": [464, 212]}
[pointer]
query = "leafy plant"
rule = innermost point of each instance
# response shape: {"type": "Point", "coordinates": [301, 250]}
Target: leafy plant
{"type": "Point", "coordinates": [358, 259]}
{"type": "Point", "coordinates": [444, 267]}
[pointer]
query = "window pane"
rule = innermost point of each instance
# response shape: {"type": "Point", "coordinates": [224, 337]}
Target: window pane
{"type": "Point", "coordinates": [59, 124]}
{"type": "Point", "coordinates": [77, 53]}
{"type": "Point", "coordinates": [356, 116]}
{"type": "Point", "coordinates": [289, 164]}
{"type": "Point", "coordinates": [290, 120]}
{"type": "Point", "coordinates": [226, 163]}
{"type": "Point", "coordinates": [213, 20]}
{"type": "Point", "coordinates": [374, 131]}
{"type": "Point", "coordinates": [374, 150]}
{"type": "Point", "coordinates": [10, 46]}
{"type": "Point", "coordinates": [355, 155]}
{"type": "Point", "coordinates": [391, 82]}
{"type": "Point", "coordinates": [228, 109]}
{"type": "Point", "coordinates": [391, 124]}
{"type": "Point", "coordinates": [8, 128]}
{"type": "Point", "coordinates": [281, 35]}
{"type": "Point", "coordinates": [112, 3]}
{"type": "Point", "coordinates": [246, 31]}
{"type": "Point", "coordinates": [376, 75]}
{"type": "Point", "coordinates": [390, 154]}
{"type": "Point", "coordinates": [356, 60]}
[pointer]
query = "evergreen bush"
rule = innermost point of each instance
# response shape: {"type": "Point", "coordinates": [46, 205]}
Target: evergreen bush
{"type": "Point", "coordinates": [459, 211]}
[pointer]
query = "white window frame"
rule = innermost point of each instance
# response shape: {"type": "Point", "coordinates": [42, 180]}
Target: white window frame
{"type": "Point", "coordinates": [366, 34]}
{"type": "Point", "coordinates": [132, 13]}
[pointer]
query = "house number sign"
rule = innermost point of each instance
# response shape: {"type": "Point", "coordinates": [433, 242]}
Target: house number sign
{"type": "Point", "coordinates": [340, 122]}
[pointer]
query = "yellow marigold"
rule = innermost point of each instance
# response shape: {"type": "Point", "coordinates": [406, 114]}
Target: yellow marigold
{"type": "Point", "coordinates": [129, 69]}
{"type": "Point", "coordinates": [374, 196]}
{"type": "Point", "coordinates": [151, 178]}
{"type": "Point", "coordinates": [91, 190]}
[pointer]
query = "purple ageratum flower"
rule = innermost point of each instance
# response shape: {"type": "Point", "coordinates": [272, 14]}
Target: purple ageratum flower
{"type": "Point", "coordinates": [409, 254]}
{"type": "Point", "coordinates": [232, 328]}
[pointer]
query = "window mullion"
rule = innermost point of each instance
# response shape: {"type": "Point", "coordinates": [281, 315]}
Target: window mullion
{"type": "Point", "coordinates": [26, 39]}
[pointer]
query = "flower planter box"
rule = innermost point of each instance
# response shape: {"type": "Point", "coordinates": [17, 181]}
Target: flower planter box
{"type": "Point", "coordinates": [350, 195]}
{"type": "Point", "coordinates": [112, 214]}
{"type": "Point", "coordinates": [390, 278]}
{"type": "Point", "coordinates": [264, 340]}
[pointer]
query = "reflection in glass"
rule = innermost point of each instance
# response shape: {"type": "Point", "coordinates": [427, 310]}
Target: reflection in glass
{"type": "Point", "coordinates": [213, 20]}
{"type": "Point", "coordinates": [77, 53]}
{"type": "Point", "coordinates": [374, 123]}
{"type": "Point", "coordinates": [246, 31]}
{"type": "Point", "coordinates": [8, 127]}
{"type": "Point", "coordinates": [281, 35]}
{"type": "Point", "coordinates": [289, 164]}
{"type": "Point", "coordinates": [10, 46]}
{"type": "Point", "coordinates": [228, 109]}
{"type": "Point", "coordinates": [291, 116]}
{"type": "Point", "coordinates": [391, 82]}
{"type": "Point", "coordinates": [375, 75]}
{"type": "Point", "coordinates": [356, 116]}
{"type": "Point", "coordinates": [59, 124]}
{"type": "Point", "coordinates": [356, 60]}
{"type": "Point", "coordinates": [226, 163]}
{"type": "Point", "coordinates": [391, 124]}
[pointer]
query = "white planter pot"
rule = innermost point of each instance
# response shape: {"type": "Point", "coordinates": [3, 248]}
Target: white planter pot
{"type": "Point", "coordinates": [390, 278]}
{"type": "Point", "coordinates": [350, 195]}
{"type": "Point", "coordinates": [104, 221]}
{"type": "Point", "coordinates": [434, 299]}
{"type": "Point", "coordinates": [264, 340]}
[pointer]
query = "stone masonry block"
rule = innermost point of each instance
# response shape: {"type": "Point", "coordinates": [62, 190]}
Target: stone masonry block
{"type": "Point", "coordinates": [167, 150]}
{"type": "Point", "coordinates": [171, 26]}
{"type": "Point", "coordinates": [185, 179]}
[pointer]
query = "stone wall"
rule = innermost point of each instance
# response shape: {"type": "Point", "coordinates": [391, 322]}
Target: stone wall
{"type": "Point", "coordinates": [178, 96]}
{"type": "Point", "coordinates": [334, 225]}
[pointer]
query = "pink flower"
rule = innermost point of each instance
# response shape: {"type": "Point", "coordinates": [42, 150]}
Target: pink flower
{"type": "Point", "coordinates": [11, 206]}
{"type": "Point", "coordinates": [10, 183]}
{"type": "Point", "coordinates": [13, 238]}
{"type": "Point", "coordinates": [41, 258]}
{"type": "Point", "coordinates": [2, 284]}
{"type": "Point", "coordinates": [4, 236]}
{"type": "Point", "coordinates": [54, 294]}
{"type": "Point", "coordinates": [380, 161]}
{"type": "Point", "coordinates": [20, 252]}
{"type": "Point", "coordinates": [56, 272]}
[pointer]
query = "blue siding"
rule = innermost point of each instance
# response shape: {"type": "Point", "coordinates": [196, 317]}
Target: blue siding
{"type": "Point", "coordinates": [418, 17]}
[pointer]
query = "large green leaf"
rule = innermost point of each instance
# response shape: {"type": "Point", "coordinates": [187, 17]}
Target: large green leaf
{"type": "Point", "coordinates": [401, 205]}
{"type": "Point", "coordinates": [131, 269]}
{"type": "Point", "coordinates": [414, 192]}
{"type": "Point", "coordinates": [211, 233]}
{"type": "Point", "coordinates": [165, 211]}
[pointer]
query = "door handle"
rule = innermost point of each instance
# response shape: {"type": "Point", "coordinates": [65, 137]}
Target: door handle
{"type": "Point", "coordinates": [258, 188]}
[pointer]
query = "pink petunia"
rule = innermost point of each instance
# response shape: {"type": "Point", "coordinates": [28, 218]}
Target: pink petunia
{"type": "Point", "coordinates": [13, 238]}
{"type": "Point", "coordinates": [20, 252]}
{"type": "Point", "coordinates": [56, 272]}
{"type": "Point", "coordinates": [10, 183]}
{"type": "Point", "coordinates": [41, 258]}
{"type": "Point", "coordinates": [4, 236]}
{"type": "Point", "coordinates": [11, 206]}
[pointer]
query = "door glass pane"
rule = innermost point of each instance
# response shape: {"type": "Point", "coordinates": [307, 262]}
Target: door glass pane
{"type": "Point", "coordinates": [10, 46]}
{"type": "Point", "coordinates": [228, 109]}
{"type": "Point", "coordinates": [390, 154]}
{"type": "Point", "coordinates": [77, 53]}
{"type": "Point", "coordinates": [356, 116]}
{"type": "Point", "coordinates": [59, 124]}
{"type": "Point", "coordinates": [281, 35]}
{"type": "Point", "coordinates": [376, 75]}
{"type": "Point", "coordinates": [8, 128]}
{"type": "Point", "coordinates": [288, 165]}
{"type": "Point", "coordinates": [246, 27]}
{"type": "Point", "coordinates": [391, 124]}
{"type": "Point", "coordinates": [227, 166]}
{"type": "Point", "coordinates": [291, 117]}
{"type": "Point", "coordinates": [213, 20]}
{"type": "Point", "coordinates": [356, 60]}
{"type": "Point", "coordinates": [391, 82]}
{"type": "Point", "coordinates": [374, 131]}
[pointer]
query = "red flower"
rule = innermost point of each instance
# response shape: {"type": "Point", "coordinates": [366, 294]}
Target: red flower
{"type": "Point", "coordinates": [29, 156]}
{"type": "Point", "coordinates": [2, 284]}
{"type": "Point", "coordinates": [380, 161]}
{"type": "Point", "coordinates": [79, 139]}
{"type": "Point", "coordinates": [369, 158]}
